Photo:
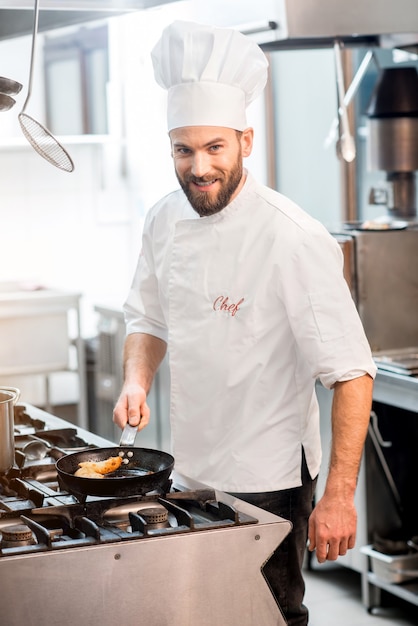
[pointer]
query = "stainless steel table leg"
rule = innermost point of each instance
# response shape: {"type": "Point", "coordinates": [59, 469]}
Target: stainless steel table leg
{"type": "Point", "coordinates": [370, 594]}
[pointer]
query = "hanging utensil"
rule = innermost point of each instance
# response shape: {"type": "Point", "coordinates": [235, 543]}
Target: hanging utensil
{"type": "Point", "coordinates": [349, 95]}
{"type": "Point", "coordinates": [38, 136]}
{"type": "Point", "coordinates": [9, 86]}
{"type": "Point", "coordinates": [6, 102]}
{"type": "Point", "coordinates": [348, 147]}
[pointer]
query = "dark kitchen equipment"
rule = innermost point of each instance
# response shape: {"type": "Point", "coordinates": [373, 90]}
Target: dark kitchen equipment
{"type": "Point", "coordinates": [395, 94]}
{"type": "Point", "coordinates": [8, 398]}
{"type": "Point", "coordinates": [396, 540]}
{"type": "Point", "coordinates": [132, 477]}
{"type": "Point", "coordinates": [38, 136]}
{"type": "Point", "coordinates": [393, 137]}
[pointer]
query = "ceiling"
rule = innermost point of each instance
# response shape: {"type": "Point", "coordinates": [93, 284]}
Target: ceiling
{"type": "Point", "coordinates": [16, 16]}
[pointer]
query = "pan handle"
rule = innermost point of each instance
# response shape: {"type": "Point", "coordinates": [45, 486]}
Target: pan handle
{"type": "Point", "coordinates": [128, 436]}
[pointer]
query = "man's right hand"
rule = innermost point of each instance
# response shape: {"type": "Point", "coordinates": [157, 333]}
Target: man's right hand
{"type": "Point", "coordinates": [132, 407]}
{"type": "Point", "coordinates": [142, 356]}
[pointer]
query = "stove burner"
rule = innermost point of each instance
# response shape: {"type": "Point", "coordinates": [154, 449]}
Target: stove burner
{"type": "Point", "coordinates": [155, 517]}
{"type": "Point", "coordinates": [60, 521]}
{"type": "Point", "coordinates": [16, 535]}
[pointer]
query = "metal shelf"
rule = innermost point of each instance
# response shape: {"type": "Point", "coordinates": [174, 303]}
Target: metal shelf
{"type": "Point", "coordinates": [372, 585]}
{"type": "Point", "coordinates": [396, 390]}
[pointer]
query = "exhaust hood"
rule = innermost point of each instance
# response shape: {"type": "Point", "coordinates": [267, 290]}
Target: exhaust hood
{"type": "Point", "coordinates": [274, 24]}
{"type": "Point", "coordinates": [295, 24]}
{"type": "Point", "coordinates": [16, 16]}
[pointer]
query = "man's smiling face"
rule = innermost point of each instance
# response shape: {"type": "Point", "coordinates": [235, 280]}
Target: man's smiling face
{"type": "Point", "coordinates": [208, 164]}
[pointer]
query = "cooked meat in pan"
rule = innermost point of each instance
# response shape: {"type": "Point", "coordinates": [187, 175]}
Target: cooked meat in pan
{"type": "Point", "coordinates": [97, 469]}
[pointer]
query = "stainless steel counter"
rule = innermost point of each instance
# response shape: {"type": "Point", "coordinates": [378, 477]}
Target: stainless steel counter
{"type": "Point", "coordinates": [396, 390]}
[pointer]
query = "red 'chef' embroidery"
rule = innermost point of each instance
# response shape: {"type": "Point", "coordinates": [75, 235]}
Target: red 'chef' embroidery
{"type": "Point", "coordinates": [222, 304]}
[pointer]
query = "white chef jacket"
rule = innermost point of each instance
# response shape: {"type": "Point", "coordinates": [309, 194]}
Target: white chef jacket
{"type": "Point", "coordinates": [254, 307]}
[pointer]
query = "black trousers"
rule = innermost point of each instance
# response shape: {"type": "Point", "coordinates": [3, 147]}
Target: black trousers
{"type": "Point", "coordinates": [284, 569]}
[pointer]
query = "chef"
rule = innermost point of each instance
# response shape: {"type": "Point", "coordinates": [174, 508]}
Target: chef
{"type": "Point", "coordinates": [246, 291]}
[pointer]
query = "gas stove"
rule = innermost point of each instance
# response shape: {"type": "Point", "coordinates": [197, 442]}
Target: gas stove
{"type": "Point", "coordinates": [181, 555]}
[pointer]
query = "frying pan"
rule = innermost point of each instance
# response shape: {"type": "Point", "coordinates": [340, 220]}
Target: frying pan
{"type": "Point", "coordinates": [145, 471]}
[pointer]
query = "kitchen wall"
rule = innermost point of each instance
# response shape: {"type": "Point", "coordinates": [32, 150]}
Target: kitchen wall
{"type": "Point", "coordinates": [308, 170]}
{"type": "Point", "coordinates": [81, 231]}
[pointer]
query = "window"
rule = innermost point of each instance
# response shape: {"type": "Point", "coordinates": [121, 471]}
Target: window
{"type": "Point", "coordinates": [76, 74]}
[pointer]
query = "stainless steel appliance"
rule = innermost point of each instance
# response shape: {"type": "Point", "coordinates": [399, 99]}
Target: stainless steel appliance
{"type": "Point", "coordinates": [184, 556]}
{"type": "Point", "coordinates": [383, 274]}
{"type": "Point", "coordinates": [393, 139]}
{"type": "Point", "coordinates": [381, 256]}
{"type": "Point", "coordinates": [8, 398]}
{"type": "Point", "coordinates": [278, 24]}
{"type": "Point", "coordinates": [295, 24]}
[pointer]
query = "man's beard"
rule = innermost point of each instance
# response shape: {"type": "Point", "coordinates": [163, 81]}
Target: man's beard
{"type": "Point", "coordinates": [204, 203]}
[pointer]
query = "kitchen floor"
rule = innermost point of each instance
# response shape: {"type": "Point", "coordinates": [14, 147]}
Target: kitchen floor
{"type": "Point", "coordinates": [333, 596]}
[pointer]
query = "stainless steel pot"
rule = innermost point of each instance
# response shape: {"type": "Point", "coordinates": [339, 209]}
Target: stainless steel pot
{"type": "Point", "coordinates": [8, 398]}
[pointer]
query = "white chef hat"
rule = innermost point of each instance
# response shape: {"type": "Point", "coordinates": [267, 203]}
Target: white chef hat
{"type": "Point", "coordinates": [211, 74]}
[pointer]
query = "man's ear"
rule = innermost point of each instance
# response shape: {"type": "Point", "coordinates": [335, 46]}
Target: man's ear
{"type": "Point", "coordinates": [247, 137]}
